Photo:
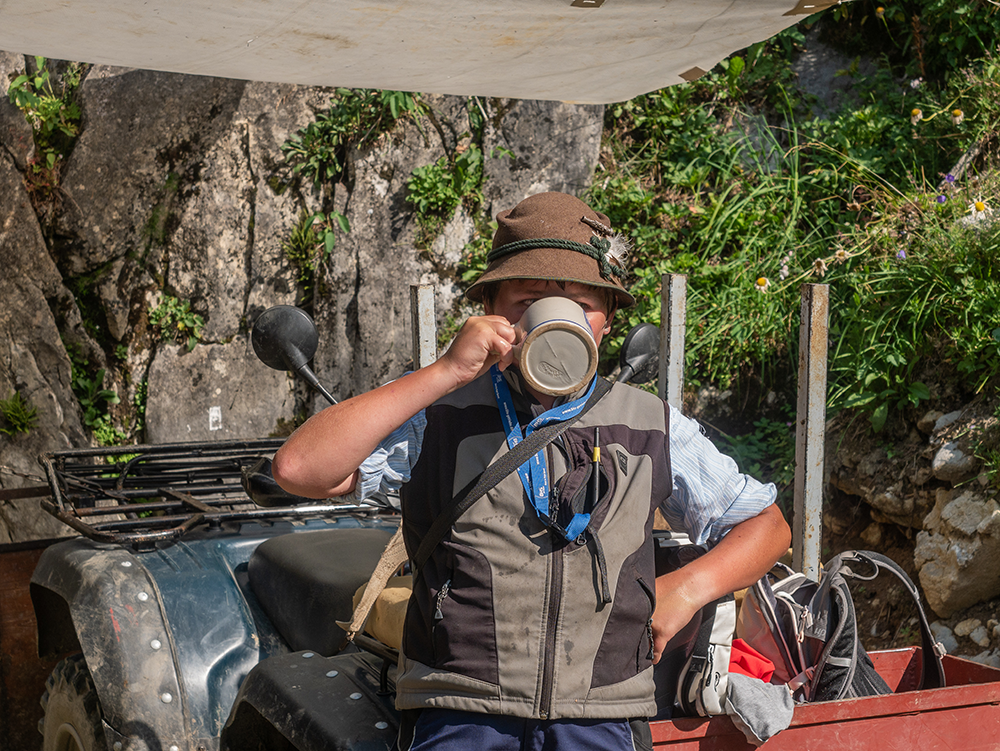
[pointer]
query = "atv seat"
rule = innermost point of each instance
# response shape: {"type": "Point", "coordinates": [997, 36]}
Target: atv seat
{"type": "Point", "coordinates": [305, 582]}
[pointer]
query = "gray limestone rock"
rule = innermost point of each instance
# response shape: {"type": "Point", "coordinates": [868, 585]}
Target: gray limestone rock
{"type": "Point", "coordinates": [953, 465]}
{"type": "Point", "coordinates": [33, 361]}
{"type": "Point", "coordinates": [959, 565]}
{"type": "Point", "coordinates": [553, 146]}
{"type": "Point", "coordinates": [215, 392]}
{"type": "Point", "coordinates": [944, 421]}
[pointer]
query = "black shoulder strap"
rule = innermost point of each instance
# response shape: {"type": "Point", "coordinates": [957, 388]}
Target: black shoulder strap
{"type": "Point", "coordinates": [498, 470]}
{"type": "Point", "coordinates": [932, 669]}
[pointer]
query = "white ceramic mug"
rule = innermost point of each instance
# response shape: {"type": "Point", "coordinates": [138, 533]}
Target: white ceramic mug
{"type": "Point", "coordinates": [558, 354]}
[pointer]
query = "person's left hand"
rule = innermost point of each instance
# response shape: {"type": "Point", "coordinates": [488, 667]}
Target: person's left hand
{"type": "Point", "coordinates": [676, 604]}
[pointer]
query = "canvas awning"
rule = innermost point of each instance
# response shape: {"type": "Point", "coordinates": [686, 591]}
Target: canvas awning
{"type": "Point", "coordinates": [572, 50]}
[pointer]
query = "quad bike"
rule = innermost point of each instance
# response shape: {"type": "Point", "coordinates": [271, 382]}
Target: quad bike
{"type": "Point", "coordinates": [198, 606]}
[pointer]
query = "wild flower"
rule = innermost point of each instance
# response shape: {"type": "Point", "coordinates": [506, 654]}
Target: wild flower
{"type": "Point", "coordinates": [901, 254]}
{"type": "Point", "coordinates": [916, 115]}
{"type": "Point", "coordinates": [957, 116]}
{"type": "Point", "coordinates": [942, 198]}
{"type": "Point", "coordinates": [762, 284]}
{"type": "Point", "coordinates": [840, 256]}
{"type": "Point", "coordinates": [979, 210]}
{"type": "Point", "coordinates": [916, 83]}
{"type": "Point", "coordinates": [949, 178]}
{"type": "Point", "coordinates": [819, 267]}
{"type": "Point", "coordinates": [879, 12]}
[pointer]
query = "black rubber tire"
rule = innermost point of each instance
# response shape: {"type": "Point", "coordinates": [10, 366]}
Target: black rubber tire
{"type": "Point", "coordinates": [72, 720]}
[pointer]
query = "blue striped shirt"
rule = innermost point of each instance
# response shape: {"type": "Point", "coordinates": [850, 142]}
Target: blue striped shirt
{"type": "Point", "coordinates": [710, 494]}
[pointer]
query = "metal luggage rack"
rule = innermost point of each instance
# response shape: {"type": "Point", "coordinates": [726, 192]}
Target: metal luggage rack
{"type": "Point", "coordinates": [142, 495]}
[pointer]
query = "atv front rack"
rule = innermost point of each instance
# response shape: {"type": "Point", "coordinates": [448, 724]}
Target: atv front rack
{"type": "Point", "coordinates": [142, 495]}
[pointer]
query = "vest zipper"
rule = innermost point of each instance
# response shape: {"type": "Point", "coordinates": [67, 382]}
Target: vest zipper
{"type": "Point", "coordinates": [551, 621]}
{"type": "Point", "coordinates": [651, 594]}
{"type": "Point", "coordinates": [439, 601]}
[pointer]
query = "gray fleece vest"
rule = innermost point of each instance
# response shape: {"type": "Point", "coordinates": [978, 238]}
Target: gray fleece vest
{"type": "Point", "coordinates": [507, 617]}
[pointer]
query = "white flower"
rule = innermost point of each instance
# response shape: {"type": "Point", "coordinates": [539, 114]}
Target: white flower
{"type": "Point", "coordinates": [957, 116]}
{"type": "Point", "coordinates": [819, 267]}
{"type": "Point", "coordinates": [979, 210]}
{"type": "Point", "coordinates": [916, 115]}
{"type": "Point", "coordinates": [916, 83]}
{"type": "Point", "coordinates": [762, 284]}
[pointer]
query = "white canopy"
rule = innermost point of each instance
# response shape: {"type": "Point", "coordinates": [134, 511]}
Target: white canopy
{"type": "Point", "coordinates": [572, 50]}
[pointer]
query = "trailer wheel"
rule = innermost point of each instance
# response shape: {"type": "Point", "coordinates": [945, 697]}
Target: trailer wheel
{"type": "Point", "coordinates": [72, 720]}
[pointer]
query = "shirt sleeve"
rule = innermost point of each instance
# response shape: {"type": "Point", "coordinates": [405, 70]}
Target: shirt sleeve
{"type": "Point", "coordinates": [710, 495]}
{"type": "Point", "coordinates": [390, 465]}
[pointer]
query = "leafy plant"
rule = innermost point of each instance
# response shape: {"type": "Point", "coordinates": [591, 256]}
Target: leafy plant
{"type": "Point", "coordinates": [53, 114]}
{"type": "Point", "coordinates": [436, 190]}
{"type": "Point", "coordinates": [93, 397]}
{"type": "Point", "coordinates": [310, 243]}
{"type": "Point", "coordinates": [356, 116]}
{"type": "Point", "coordinates": [18, 413]}
{"type": "Point", "coordinates": [176, 321]}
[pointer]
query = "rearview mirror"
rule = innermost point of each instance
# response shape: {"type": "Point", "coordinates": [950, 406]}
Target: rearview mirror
{"type": "Point", "coordinates": [285, 338]}
{"type": "Point", "coordinates": [640, 355]}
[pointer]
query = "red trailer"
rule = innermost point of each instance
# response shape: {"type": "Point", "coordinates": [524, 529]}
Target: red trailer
{"type": "Point", "coordinates": [965, 715]}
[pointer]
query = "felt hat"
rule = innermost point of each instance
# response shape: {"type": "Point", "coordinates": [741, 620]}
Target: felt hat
{"type": "Point", "coordinates": [554, 236]}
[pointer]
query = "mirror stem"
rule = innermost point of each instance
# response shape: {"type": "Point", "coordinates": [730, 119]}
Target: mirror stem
{"type": "Point", "coordinates": [306, 372]}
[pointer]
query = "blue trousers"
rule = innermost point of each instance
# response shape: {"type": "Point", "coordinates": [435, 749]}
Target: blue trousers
{"type": "Point", "coordinates": [452, 730]}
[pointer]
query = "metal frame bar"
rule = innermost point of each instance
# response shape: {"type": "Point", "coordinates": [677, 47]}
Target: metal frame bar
{"type": "Point", "coordinates": [673, 331]}
{"type": "Point", "coordinates": [424, 325]}
{"type": "Point", "coordinates": [810, 430]}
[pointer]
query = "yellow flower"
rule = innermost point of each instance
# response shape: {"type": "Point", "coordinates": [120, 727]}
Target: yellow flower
{"type": "Point", "coordinates": [879, 12]}
{"type": "Point", "coordinates": [916, 115]}
{"type": "Point", "coordinates": [762, 284]}
{"type": "Point", "coordinates": [957, 116]}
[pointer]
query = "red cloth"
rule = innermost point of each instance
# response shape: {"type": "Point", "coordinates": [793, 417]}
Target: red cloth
{"type": "Point", "coordinates": [746, 660]}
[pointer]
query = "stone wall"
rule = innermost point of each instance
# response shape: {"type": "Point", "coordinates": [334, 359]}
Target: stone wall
{"type": "Point", "coordinates": [177, 186]}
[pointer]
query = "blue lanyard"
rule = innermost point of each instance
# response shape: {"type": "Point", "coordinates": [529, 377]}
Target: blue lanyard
{"type": "Point", "coordinates": [534, 472]}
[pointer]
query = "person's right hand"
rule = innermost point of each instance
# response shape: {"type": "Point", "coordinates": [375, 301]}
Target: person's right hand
{"type": "Point", "coordinates": [482, 342]}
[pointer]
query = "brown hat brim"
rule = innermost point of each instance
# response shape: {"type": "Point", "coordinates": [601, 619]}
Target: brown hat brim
{"type": "Point", "coordinates": [548, 264]}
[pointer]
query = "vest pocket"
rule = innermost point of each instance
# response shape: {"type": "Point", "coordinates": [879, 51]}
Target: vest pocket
{"type": "Point", "coordinates": [626, 645]}
{"type": "Point", "coordinates": [460, 616]}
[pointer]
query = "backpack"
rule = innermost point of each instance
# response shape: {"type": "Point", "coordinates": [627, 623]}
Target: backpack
{"type": "Point", "coordinates": [809, 630]}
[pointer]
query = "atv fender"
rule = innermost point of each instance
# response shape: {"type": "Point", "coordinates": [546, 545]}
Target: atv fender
{"type": "Point", "coordinates": [168, 635]}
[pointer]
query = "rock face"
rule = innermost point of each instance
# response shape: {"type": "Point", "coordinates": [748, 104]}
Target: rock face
{"type": "Point", "coordinates": [934, 483]}
{"type": "Point", "coordinates": [958, 554]}
{"type": "Point", "coordinates": [177, 190]}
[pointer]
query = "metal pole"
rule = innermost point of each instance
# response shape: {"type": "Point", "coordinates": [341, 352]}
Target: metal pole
{"type": "Point", "coordinates": [810, 430]}
{"type": "Point", "coordinates": [673, 329]}
{"type": "Point", "coordinates": [424, 327]}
